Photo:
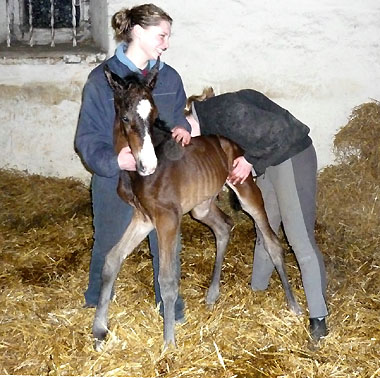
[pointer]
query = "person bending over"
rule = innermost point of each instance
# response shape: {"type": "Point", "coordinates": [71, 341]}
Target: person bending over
{"type": "Point", "coordinates": [280, 153]}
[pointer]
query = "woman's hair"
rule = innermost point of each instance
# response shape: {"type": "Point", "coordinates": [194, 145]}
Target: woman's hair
{"type": "Point", "coordinates": [144, 15]}
{"type": "Point", "coordinates": [207, 93]}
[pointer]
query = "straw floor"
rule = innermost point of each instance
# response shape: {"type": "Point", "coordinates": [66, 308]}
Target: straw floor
{"type": "Point", "coordinates": [45, 243]}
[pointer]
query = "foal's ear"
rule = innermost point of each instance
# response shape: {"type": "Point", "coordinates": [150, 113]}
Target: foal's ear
{"type": "Point", "coordinates": [151, 78]}
{"type": "Point", "coordinates": [115, 81]}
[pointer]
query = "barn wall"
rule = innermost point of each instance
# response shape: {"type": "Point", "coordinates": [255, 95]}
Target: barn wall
{"type": "Point", "coordinates": [39, 106]}
{"type": "Point", "coordinates": [3, 27]}
{"type": "Point", "coordinates": [318, 59]}
{"type": "Point", "coordinates": [99, 20]}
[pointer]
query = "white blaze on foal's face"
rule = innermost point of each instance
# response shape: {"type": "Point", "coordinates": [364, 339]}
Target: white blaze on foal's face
{"type": "Point", "coordinates": [147, 156]}
{"type": "Point", "coordinates": [144, 108]}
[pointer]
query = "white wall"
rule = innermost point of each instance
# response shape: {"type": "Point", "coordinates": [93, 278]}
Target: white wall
{"type": "Point", "coordinates": [99, 23]}
{"type": "Point", "coordinates": [3, 17]}
{"type": "Point", "coordinates": [317, 59]}
{"type": "Point", "coordinates": [39, 107]}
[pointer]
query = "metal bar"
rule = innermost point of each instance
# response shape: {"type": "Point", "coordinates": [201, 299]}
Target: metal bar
{"type": "Point", "coordinates": [52, 22]}
{"type": "Point", "coordinates": [74, 20]}
{"type": "Point", "coordinates": [31, 42]}
{"type": "Point", "coordinates": [81, 9]}
{"type": "Point", "coordinates": [8, 23]}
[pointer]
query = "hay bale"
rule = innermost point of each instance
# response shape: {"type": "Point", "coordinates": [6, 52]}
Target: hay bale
{"type": "Point", "coordinates": [357, 144]}
{"type": "Point", "coordinates": [45, 243]}
{"type": "Point", "coordinates": [349, 203]}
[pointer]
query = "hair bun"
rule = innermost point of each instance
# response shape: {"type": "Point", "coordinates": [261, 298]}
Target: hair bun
{"type": "Point", "coordinates": [120, 22]}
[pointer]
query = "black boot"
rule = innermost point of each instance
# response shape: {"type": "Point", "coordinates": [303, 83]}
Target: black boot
{"type": "Point", "coordinates": [318, 328]}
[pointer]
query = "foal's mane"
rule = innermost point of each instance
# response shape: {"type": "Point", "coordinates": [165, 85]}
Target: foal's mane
{"type": "Point", "coordinates": [160, 132]}
{"type": "Point", "coordinates": [134, 78]}
{"type": "Point", "coordinates": [165, 146]}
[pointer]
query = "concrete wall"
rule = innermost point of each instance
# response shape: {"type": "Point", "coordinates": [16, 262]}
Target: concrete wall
{"type": "Point", "coordinates": [39, 107]}
{"type": "Point", "coordinates": [99, 23]}
{"type": "Point", "coordinates": [3, 17]}
{"type": "Point", "coordinates": [317, 59]}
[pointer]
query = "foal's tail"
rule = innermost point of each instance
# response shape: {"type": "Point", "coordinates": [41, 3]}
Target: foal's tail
{"type": "Point", "coordinates": [207, 93]}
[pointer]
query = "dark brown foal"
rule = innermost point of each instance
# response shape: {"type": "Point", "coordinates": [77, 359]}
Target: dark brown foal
{"type": "Point", "coordinates": [184, 179]}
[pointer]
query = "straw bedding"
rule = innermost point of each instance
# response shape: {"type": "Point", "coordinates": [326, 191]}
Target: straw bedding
{"type": "Point", "coordinates": [45, 243]}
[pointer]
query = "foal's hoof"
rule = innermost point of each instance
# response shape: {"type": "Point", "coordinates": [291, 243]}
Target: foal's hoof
{"type": "Point", "coordinates": [169, 345]}
{"type": "Point", "coordinates": [210, 306]}
{"type": "Point", "coordinates": [211, 299]}
{"type": "Point", "coordinates": [99, 345]}
{"type": "Point", "coordinates": [296, 308]}
{"type": "Point", "coordinates": [100, 334]}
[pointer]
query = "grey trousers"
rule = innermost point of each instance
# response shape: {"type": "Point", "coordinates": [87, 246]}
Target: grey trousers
{"type": "Point", "coordinates": [289, 193]}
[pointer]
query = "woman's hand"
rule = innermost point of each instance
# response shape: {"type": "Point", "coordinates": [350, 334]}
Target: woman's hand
{"type": "Point", "coordinates": [180, 134]}
{"type": "Point", "coordinates": [126, 160]}
{"type": "Point", "coordinates": [240, 172]}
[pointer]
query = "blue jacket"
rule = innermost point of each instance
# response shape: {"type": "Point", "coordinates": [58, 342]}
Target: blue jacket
{"type": "Point", "coordinates": [267, 133]}
{"type": "Point", "coordinates": [94, 136]}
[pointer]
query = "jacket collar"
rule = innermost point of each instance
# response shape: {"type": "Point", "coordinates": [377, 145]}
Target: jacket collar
{"type": "Point", "coordinates": [120, 55]}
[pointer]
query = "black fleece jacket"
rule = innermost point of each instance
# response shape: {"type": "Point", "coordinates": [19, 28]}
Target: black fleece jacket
{"type": "Point", "coordinates": [267, 133]}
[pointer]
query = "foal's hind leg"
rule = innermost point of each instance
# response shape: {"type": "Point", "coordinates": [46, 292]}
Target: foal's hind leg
{"type": "Point", "coordinates": [221, 224]}
{"type": "Point", "coordinates": [252, 202]}
{"type": "Point", "coordinates": [135, 233]}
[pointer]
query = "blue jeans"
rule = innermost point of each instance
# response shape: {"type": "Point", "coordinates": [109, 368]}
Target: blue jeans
{"type": "Point", "coordinates": [111, 217]}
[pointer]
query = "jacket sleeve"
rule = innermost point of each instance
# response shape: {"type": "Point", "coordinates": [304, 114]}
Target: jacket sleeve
{"type": "Point", "coordinates": [283, 138]}
{"type": "Point", "coordinates": [179, 107]}
{"type": "Point", "coordinates": [94, 136]}
{"type": "Point", "coordinates": [259, 164]}
{"type": "Point", "coordinates": [170, 98]}
{"type": "Point", "coordinates": [265, 138]}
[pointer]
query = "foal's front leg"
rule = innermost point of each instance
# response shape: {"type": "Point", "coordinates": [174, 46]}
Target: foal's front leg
{"type": "Point", "coordinates": [168, 228]}
{"type": "Point", "coordinates": [135, 233]}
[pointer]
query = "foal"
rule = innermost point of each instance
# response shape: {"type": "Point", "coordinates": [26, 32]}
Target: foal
{"type": "Point", "coordinates": [172, 180]}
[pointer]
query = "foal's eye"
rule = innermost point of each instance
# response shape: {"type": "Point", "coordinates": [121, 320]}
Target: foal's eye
{"type": "Point", "coordinates": [125, 119]}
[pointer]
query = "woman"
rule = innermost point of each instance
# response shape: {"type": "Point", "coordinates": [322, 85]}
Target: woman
{"type": "Point", "coordinates": [279, 151]}
{"type": "Point", "coordinates": [144, 32]}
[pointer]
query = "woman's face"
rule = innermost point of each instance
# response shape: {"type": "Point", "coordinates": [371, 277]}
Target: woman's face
{"type": "Point", "coordinates": [154, 40]}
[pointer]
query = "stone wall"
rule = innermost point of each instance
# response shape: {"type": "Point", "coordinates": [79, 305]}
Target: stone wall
{"type": "Point", "coordinates": [39, 107]}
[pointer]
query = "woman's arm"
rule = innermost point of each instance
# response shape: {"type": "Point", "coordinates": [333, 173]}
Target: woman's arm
{"type": "Point", "coordinates": [94, 136]}
{"type": "Point", "coordinates": [181, 130]}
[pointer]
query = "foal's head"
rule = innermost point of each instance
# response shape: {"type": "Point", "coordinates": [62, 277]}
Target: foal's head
{"type": "Point", "coordinates": [135, 116]}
